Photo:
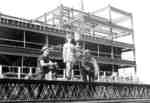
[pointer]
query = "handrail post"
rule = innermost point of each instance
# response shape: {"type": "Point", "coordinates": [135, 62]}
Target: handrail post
{"type": "Point", "coordinates": [30, 71]}
{"type": "Point", "coordinates": [19, 72]}
{"type": "Point", "coordinates": [72, 74]}
{"type": "Point", "coordinates": [104, 76]}
{"type": "Point", "coordinates": [98, 77]}
{"type": "Point", "coordinates": [1, 75]}
{"type": "Point", "coordinates": [64, 74]}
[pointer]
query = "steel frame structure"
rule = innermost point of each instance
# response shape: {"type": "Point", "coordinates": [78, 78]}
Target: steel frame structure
{"type": "Point", "coordinates": [64, 16]}
{"type": "Point", "coordinates": [109, 25]}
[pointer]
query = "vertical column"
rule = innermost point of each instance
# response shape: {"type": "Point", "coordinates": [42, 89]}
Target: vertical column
{"type": "Point", "coordinates": [22, 61]}
{"type": "Point", "coordinates": [19, 72]}
{"type": "Point", "coordinates": [1, 75]}
{"type": "Point", "coordinates": [113, 71]}
{"type": "Point", "coordinates": [45, 18]}
{"type": "Point", "coordinates": [24, 39]}
{"type": "Point", "coordinates": [0, 17]}
{"type": "Point", "coordinates": [64, 73]}
{"type": "Point", "coordinates": [24, 46]}
{"type": "Point", "coordinates": [72, 74]}
{"type": "Point", "coordinates": [110, 21]}
{"type": "Point", "coordinates": [104, 77]}
{"type": "Point", "coordinates": [30, 71]}
{"type": "Point", "coordinates": [98, 78]}
{"type": "Point", "coordinates": [46, 40]}
{"type": "Point", "coordinates": [98, 50]}
{"type": "Point", "coordinates": [134, 52]}
{"type": "Point", "coordinates": [61, 10]}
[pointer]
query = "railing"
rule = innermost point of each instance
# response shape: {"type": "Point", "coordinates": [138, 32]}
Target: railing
{"type": "Point", "coordinates": [19, 22]}
{"type": "Point", "coordinates": [36, 25]}
{"type": "Point", "coordinates": [59, 48]}
{"type": "Point", "coordinates": [10, 20]}
{"type": "Point", "coordinates": [16, 72]}
{"type": "Point", "coordinates": [19, 72]}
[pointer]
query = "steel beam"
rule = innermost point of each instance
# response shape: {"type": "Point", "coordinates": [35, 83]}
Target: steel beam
{"type": "Point", "coordinates": [19, 51]}
{"type": "Point", "coordinates": [57, 55]}
{"type": "Point", "coordinates": [120, 11]}
{"type": "Point", "coordinates": [114, 61]}
{"type": "Point", "coordinates": [53, 32]}
{"type": "Point", "coordinates": [43, 91]}
{"type": "Point", "coordinates": [95, 19]}
{"type": "Point", "coordinates": [106, 42]}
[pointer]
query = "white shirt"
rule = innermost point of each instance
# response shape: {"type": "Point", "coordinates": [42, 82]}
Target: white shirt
{"type": "Point", "coordinates": [68, 52]}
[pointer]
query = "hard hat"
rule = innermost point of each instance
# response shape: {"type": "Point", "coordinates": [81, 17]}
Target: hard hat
{"type": "Point", "coordinates": [45, 47]}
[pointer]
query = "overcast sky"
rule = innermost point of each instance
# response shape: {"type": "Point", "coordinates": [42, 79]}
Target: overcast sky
{"type": "Point", "coordinates": [31, 9]}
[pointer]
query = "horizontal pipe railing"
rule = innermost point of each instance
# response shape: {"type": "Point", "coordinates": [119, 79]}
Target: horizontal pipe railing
{"type": "Point", "coordinates": [20, 74]}
{"type": "Point", "coordinates": [97, 53]}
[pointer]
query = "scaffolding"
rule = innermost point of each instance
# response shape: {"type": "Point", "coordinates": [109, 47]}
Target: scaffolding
{"type": "Point", "coordinates": [108, 34]}
{"type": "Point", "coordinates": [109, 25]}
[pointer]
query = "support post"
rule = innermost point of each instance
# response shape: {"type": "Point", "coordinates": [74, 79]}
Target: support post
{"type": "Point", "coordinates": [24, 39]}
{"type": "Point", "coordinates": [1, 75]}
{"type": "Point", "coordinates": [134, 53]}
{"type": "Point", "coordinates": [98, 78]}
{"type": "Point", "coordinates": [19, 72]}
{"type": "Point", "coordinates": [30, 71]}
{"type": "Point", "coordinates": [110, 21]}
{"type": "Point", "coordinates": [98, 51]}
{"type": "Point", "coordinates": [64, 73]}
{"type": "Point", "coordinates": [45, 18]}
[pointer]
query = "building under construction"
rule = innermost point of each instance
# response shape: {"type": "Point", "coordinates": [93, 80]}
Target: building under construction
{"type": "Point", "coordinates": [108, 34]}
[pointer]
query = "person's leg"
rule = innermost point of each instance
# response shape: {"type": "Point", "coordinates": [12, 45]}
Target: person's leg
{"type": "Point", "coordinates": [91, 76]}
{"type": "Point", "coordinates": [84, 75]}
{"type": "Point", "coordinates": [54, 72]}
{"type": "Point", "coordinates": [68, 70]}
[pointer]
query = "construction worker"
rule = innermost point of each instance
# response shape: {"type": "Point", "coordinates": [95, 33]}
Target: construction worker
{"type": "Point", "coordinates": [89, 66]}
{"type": "Point", "coordinates": [45, 64]}
{"type": "Point", "coordinates": [78, 51]}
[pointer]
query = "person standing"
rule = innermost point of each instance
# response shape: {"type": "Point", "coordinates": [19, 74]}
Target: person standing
{"type": "Point", "coordinates": [90, 67]}
{"type": "Point", "coordinates": [69, 55]}
{"type": "Point", "coordinates": [45, 64]}
{"type": "Point", "coordinates": [78, 51]}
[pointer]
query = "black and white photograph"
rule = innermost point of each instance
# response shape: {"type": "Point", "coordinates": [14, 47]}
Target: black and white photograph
{"type": "Point", "coordinates": [74, 51]}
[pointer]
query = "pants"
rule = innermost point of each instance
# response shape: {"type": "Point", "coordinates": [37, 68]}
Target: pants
{"type": "Point", "coordinates": [87, 75]}
{"type": "Point", "coordinates": [69, 66]}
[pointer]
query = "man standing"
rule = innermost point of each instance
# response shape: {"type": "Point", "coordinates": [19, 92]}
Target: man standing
{"type": "Point", "coordinates": [90, 67]}
{"type": "Point", "coordinates": [45, 64]}
{"type": "Point", "coordinates": [68, 55]}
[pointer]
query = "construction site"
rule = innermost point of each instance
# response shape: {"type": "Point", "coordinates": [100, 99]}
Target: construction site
{"type": "Point", "coordinates": [109, 35]}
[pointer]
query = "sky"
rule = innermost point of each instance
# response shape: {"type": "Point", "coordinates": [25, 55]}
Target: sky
{"type": "Point", "coordinates": [31, 9]}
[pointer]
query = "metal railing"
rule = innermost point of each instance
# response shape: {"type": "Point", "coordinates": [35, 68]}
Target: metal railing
{"type": "Point", "coordinates": [19, 72]}
{"type": "Point", "coordinates": [19, 22]}
{"type": "Point", "coordinates": [39, 45]}
{"type": "Point", "coordinates": [16, 72]}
